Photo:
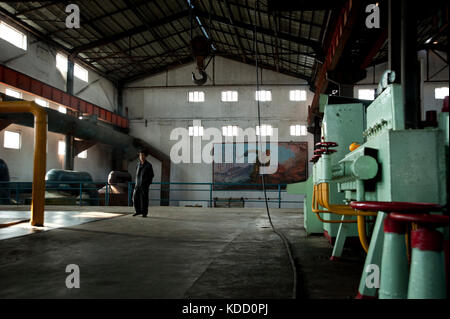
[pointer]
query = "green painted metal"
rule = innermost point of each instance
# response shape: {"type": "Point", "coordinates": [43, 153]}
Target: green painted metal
{"type": "Point", "coordinates": [323, 101]}
{"type": "Point", "coordinates": [343, 124]}
{"type": "Point", "coordinates": [411, 168]}
{"type": "Point", "coordinates": [394, 268]}
{"type": "Point", "coordinates": [373, 257]}
{"type": "Point", "coordinates": [364, 168]}
{"type": "Point", "coordinates": [311, 223]}
{"type": "Point", "coordinates": [411, 163]}
{"type": "Point", "coordinates": [341, 236]}
{"type": "Point", "coordinates": [355, 166]}
{"type": "Point", "coordinates": [427, 278]}
{"type": "Point", "coordinates": [386, 112]}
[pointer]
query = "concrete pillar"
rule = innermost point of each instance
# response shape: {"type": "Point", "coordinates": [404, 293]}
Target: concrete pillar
{"type": "Point", "coordinates": [70, 75]}
{"type": "Point", "coordinates": [69, 156]}
{"type": "Point", "coordinates": [394, 38]}
{"type": "Point", "coordinates": [120, 98]}
{"type": "Point", "coordinates": [346, 90]}
{"type": "Point", "coordinates": [410, 65]}
{"type": "Point", "coordinates": [402, 56]}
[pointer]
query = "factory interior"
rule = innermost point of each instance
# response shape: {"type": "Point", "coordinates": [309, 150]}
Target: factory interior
{"type": "Point", "coordinates": [224, 150]}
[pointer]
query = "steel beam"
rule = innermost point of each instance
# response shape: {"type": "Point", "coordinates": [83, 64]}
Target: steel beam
{"type": "Point", "coordinates": [31, 85]}
{"type": "Point", "coordinates": [338, 39]}
{"type": "Point", "coordinates": [315, 45]}
{"type": "Point", "coordinates": [88, 131]}
{"type": "Point", "coordinates": [110, 39]}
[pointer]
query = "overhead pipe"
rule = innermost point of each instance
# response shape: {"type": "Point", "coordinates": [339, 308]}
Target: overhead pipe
{"type": "Point", "coordinates": [88, 130]}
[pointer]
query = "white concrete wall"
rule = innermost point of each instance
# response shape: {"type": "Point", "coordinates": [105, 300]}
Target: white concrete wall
{"type": "Point", "coordinates": [441, 79]}
{"type": "Point", "coordinates": [39, 62]}
{"type": "Point", "coordinates": [20, 162]}
{"type": "Point", "coordinates": [161, 100]}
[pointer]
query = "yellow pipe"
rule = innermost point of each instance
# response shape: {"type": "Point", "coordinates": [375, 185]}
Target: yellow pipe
{"type": "Point", "coordinates": [362, 233]}
{"type": "Point", "coordinates": [14, 223]}
{"type": "Point", "coordinates": [345, 210]}
{"type": "Point", "coordinates": [320, 197]}
{"type": "Point", "coordinates": [339, 209]}
{"type": "Point", "coordinates": [317, 211]}
{"type": "Point", "coordinates": [40, 153]}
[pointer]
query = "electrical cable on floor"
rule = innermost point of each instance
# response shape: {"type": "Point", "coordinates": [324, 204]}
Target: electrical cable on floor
{"type": "Point", "coordinates": [279, 233]}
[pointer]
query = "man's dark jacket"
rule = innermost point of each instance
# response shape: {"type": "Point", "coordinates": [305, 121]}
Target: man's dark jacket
{"type": "Point", "coordinates": [144, 174]}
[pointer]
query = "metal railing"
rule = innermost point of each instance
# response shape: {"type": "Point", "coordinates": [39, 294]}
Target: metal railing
{"type": "Point", "coordinates": [19, 193]}
{"type": "Point", "coordinates": [210, 188]}
{"type": "Point", "coordinates": [79, 192]}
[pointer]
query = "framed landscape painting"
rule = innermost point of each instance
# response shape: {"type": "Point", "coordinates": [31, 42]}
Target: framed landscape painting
{"type": "Point", "coordinates": [242, 169]}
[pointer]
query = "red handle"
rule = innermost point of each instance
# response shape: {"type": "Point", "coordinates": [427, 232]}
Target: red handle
{"type": "Point", "coordinates": [396, 207]}
{"type": "Point", "coordinates": [327, 144]}
{"type": "Point", "coordinates": [315, 158]}
{"type": "Point", "coordinates": [324, 151]}
{"type": "Point", "coordinates": [432, 220]}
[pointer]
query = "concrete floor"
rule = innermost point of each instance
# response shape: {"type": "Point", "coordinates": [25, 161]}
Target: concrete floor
{"type": "Point", "coordinates": [178, 252]}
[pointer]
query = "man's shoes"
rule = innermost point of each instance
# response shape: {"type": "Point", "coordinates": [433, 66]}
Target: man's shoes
{"type": "Point", "coordinates": [145, 216]}
{"type": "Point", "coordinates": [135, 214]}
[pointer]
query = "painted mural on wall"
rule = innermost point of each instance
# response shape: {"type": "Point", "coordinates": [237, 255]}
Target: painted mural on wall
{"type": "Point", "coordinates": [292, 166]}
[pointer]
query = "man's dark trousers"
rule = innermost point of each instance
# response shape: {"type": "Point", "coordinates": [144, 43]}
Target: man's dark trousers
{"type": "Point", "coordinates": [144, 177]}
{"type": "Point", "coordinates": [140, 200]}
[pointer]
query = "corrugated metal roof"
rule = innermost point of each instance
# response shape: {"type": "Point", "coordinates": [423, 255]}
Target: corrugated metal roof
{"type": "Point", "coordinates": [125, 39]}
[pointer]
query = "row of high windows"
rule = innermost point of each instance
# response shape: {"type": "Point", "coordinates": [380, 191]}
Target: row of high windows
{"type": "Point", "coordinates": [233, 96]}
{"type": "Point", "coordinates": [19, 39]}
{"type": "Point", "coordinates": [13, 140]}
{"type": "Point", "coordinates": [263, 130]}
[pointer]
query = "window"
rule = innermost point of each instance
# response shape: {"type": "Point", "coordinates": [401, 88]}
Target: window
{"type": "Point", "coordinates": [61, 62]}
{"type": "Point", "coordinates": [62, 109]}
{"type": "Point", "coordinates": [13, 93]}
{"type": "Point", "coordinates": [366, 94]}
{"type": "Point", "coordinates": [297, 95]}
{"type": "Point", "coordinates": [13, 36]}
{"type": "Point", "coordinates": [440, 93]}
{"type": "Point", "coordinates": [41, 102]}
{"type": "Point", "coordinates": [298, 130]}
{"type": "Point", "coordinates": [263, 96]}
{"type": "Point", "coordinates": [229, 96]}
{"type": "Point", "coordinates": [196, 96]}
{"type": "Point", "coordinates": [82, 154]}
{"type": "Point", "coordinates": [80, 73]}
{"type": "Point", "coordinates": [11, 140]}
{"type": "Point", "coordinates": [195, 130]}
{"type": "Point", "coordinates": [61, 148]}
{"type": "Point", "coordinates": [230, 130]}
{"type": "Point", "coordinates": [265, 130]}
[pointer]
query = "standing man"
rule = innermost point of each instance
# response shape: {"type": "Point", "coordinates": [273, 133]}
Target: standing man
{"type": "Point", "coordinates": [144, 177]}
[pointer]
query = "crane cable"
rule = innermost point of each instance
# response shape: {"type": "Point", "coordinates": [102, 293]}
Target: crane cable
{"type": "Point", "coordinates": [279, 233]}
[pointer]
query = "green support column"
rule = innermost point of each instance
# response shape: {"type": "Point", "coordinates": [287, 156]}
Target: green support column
{"type": "Point", "coordinates": [340, 238]}
{"type": "Point", "coordinates": [373, 258]}
{"type": "Point", "coordinates": [312, 224]}
{"type": "Point", "coordinates": [427, 278]}
{"type": "Point", "coordinates": [394, 262]}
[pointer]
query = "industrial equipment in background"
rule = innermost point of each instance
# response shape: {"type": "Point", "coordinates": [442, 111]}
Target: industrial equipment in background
{"type": "Point", "coordinates": [4, 183]}
{"type": "Point", "coordinates": [66, 187]}
{"type": "Point", "coordinates": [115, 193]}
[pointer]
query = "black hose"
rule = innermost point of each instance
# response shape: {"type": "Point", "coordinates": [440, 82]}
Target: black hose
{"type": "Point", "coordinates": [279, 233]}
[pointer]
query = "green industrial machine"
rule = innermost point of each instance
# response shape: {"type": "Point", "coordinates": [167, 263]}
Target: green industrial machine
{"type": "Point", "coordinates": [390, 165]}
{"type": "Point", "coordinates": [411, 166]}
{"type": "Point", "coordinates": [343, 123]}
